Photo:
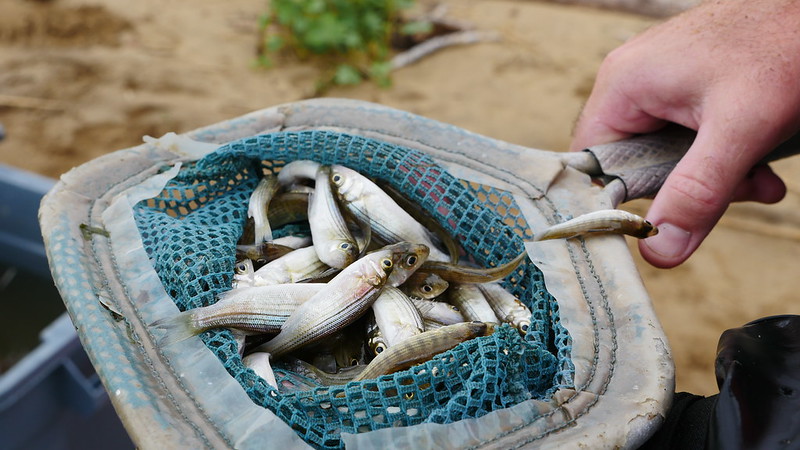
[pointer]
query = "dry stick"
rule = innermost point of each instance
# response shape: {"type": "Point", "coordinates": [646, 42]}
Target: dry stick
{"type": "Point", "coordinates": [437, 43]}
{"type": "Point", "coordinates": [15, 101]}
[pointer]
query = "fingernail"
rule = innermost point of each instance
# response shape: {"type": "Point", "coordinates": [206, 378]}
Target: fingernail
{"type": "Point", "coordinates": [670, 242]}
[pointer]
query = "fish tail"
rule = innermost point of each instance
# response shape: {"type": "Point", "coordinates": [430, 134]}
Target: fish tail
{"type": "Point", "coordinates": [176, 329]}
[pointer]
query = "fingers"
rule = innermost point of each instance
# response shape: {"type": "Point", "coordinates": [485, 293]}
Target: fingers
{"type": "Point", "coordinates": [713, 173]}
{"type": "Point", "coordinates": [760, 185]}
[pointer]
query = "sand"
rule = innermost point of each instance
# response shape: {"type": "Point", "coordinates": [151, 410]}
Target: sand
{"type": "Point", "coordinates": [81, 78]}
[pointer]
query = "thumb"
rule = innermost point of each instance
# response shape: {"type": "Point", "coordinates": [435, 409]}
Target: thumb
{"type": "Point", "coordinates": [698, 191]}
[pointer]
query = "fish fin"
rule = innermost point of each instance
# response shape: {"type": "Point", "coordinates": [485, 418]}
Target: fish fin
{"type": "Point", "coordinates": [176, 328]}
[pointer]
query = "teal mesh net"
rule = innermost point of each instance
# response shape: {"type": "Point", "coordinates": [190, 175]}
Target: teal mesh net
{"type": "Point", "coordinates": [191, 229]}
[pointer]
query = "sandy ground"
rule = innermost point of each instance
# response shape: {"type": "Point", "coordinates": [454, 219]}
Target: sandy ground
{"type": "Point", "coordinates": [98, 75]}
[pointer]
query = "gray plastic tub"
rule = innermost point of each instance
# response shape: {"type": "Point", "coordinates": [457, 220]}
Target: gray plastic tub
{"type": "Point", "coordinates": [51, 398]}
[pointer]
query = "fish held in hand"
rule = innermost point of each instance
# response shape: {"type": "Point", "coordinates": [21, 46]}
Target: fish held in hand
{"type": "Point", "coordinates": [607, 221]}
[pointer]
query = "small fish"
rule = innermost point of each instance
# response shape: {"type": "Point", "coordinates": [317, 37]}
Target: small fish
{"type": "Point", "coordinates": [467, 274]}
{"type": "Point", "coordinates": [396, 316]}
{"type": "Point", "coordinates": [288, 207]}
{"type": "Point", "coordinates": [342, 301]}
{"type": "Point", "coordinates": [375, 340]}
{"type": "Point", "coordinates": [423, 347]}
{"type": "Point", "coordinates": [424, 285]}
{"type": "Point", "coordinates": [298, 171]}
{"type": "Point", "coordinates": [261, 309]}
{"type": "Point", "coordinates": [262, 253]}
{"type": "Point", "coordinates": [294, 242]}
{"type": "Point", "coordinates": [415, 256]}
{"type": "Point", "coordinates": [298, 265]}
{"type": "Point", "coordinates": [608, 221]}
{"type": "Point", "coordinates": [472, 303]}
{"type": "Point", "coordinates": [370, 204]}
{"type": "Point", "coordinates": [433, 325]}
{"type": "Point", "coordinates": [243, 274]}
{"type": "Point", "coordinates": [332, 239]}
{"type": "Point", "coordinates": [425, 219]}
{"type": "Point", "coordinates": [440, 312]}
{"type": "Point", "coordinates": [258, 362]}
{"type": "Point", "coordinates": [506, 306]}
{"type": "Point", "coordinates": [259, 205]}
{"type": "Point", "coordinates": [342, 376]}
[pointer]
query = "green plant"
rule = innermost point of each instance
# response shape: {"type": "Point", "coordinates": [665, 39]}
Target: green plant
{"type": "Point", "coordinates": [352, 37]}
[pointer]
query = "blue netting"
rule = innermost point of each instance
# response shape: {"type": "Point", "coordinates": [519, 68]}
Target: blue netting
{"type": "Point", "coordinates": [191, 229]}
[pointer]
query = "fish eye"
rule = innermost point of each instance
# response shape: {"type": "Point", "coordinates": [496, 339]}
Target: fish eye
{"type": "Point", "coordinates": [455, 308]}
{"type": "Point", "coordinates": [344, 246]}
{"type": "Point", "coordinates": [386, 263]}
{"type": "Point", "coordinates": [241, 267]}
{"type": "Point", "coordinates": [411, 260]}
{"type": "Point", "coordinates": [353, 362]}
{"type": "Point", "coordinates": [380, 347]}
{"type": "Point", "coordinates": [426, 288]}
{"type": "Point", "coordinates": [337, 178]}
{"type": "Point", "coordinates": [524, 327]}
{"type": "Point", "coordinates": [477, 322]}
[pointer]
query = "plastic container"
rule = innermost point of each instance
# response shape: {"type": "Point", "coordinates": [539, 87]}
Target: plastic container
{"type": "Point", "coordinates": [51, 398]}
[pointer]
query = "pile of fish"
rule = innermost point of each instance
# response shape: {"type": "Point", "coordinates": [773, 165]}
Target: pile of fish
{"type": "Point", "coordinates": [369, 292]}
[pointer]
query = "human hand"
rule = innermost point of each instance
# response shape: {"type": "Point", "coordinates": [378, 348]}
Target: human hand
{"type": "Point", "coordinates": [728, 69]}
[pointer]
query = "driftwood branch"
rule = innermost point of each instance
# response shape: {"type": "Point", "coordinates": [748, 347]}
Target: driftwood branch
{"type": "Point", "coordinates": [653, 8]}
{"type": "Point", "coordinates": [437, 43]}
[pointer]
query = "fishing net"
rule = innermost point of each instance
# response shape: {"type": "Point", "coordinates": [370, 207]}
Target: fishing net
{"type": "Point", "coordinates": [191, 229]}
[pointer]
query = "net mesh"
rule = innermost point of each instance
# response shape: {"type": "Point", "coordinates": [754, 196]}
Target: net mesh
{"type": "Point", "coordinates": [190, 232]}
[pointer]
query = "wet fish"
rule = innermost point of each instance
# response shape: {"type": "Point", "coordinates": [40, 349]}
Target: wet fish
{"type": "Point", "coordinates": [298, 265]}
{"type": "Point", "coordinates": [422, 216]}
{"type": "Point", "coordinates": [288, 207]}
{"type": "Point", "coordinates": [423, 347]}
{"type": "Point", "coordinates": [261, 253]}
{"type": "Point", "coordinates": [440, 312]}
{"type": "Point", "coordinates": [375, 340]}
{"type": "Point", "coordinates": [424, 285]}
{"type": "Point", "coordinates": [342, 301]}
{"type": "Point", "coordinates": [258, 362]}
{"type": "Point", "coordinates": [341, 376]}
{"type": "Point", "coordinates": [608, 221]}
{"type": "Point", "coordinates": [396, 316]}
{"type": "Point", "coordinates": [294, 242]}
{"type": "Point", "coordinates": [243, 273]}
{"type": "Point", "coordinates": [332, 239]}
{"type": "Point", "coordinates": [507, 307]}
{"type": "Point", "coordinates": [388, 220]}
{"type": "Point", "coordinates": [259, 205]}
{"type": "Point", "coordinates": [471, 301]}
{"type": "Point", "coordinates": [466, 274]}
{"type": "Point", "coordinates": [415, 256]}
{"type": "Point", "coordinates": [261, 309]}
{"type": "Point", "coordinates": [298, 171]}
